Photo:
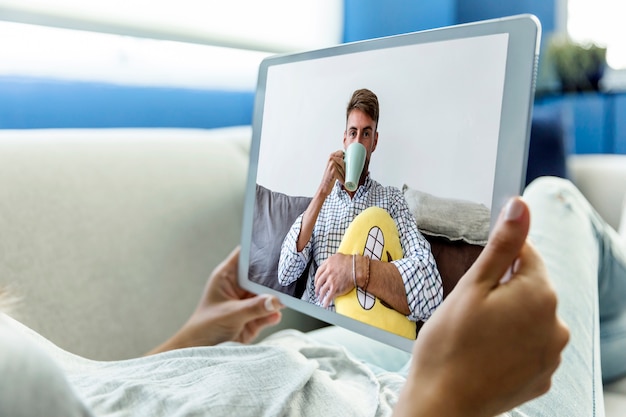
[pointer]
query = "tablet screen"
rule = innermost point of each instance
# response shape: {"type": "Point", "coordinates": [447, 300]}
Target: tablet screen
{"type": "Point", "coordinates": [443, 124]}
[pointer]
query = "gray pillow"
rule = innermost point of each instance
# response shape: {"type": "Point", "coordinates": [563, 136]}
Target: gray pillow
{"type": "Point", "coordinates": [450, 218]}
{"type": "Point", "coordinates": [274, 214]}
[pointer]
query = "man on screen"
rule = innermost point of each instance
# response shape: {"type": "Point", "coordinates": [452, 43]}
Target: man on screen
{"type": "Point", "coordinates": [364, 242]}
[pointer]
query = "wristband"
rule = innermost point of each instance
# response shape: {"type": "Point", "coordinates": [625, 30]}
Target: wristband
{"type": "Point", "coordinates": [367, 275]}
{"type": "Point", "coordinates": [354, 270]}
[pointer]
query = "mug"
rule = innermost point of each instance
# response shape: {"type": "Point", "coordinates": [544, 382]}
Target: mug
{"type": "Point", "coordinates": [354, 159]}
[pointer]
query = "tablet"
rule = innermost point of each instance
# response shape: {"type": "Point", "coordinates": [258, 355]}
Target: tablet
{"type": "Point", "coordinates": [447, 151]}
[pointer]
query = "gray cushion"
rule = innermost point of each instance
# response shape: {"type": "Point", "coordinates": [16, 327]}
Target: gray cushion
{"type": "Point", "coordinates": [450, 218]}
{"type": "Point", "coordinates": [274, 214]}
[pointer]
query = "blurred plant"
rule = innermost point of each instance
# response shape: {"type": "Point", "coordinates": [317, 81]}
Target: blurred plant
{"type": "Point", "coordinates": [579, 67]}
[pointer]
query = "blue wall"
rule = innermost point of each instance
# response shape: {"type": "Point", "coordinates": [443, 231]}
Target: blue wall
{"type": "Point", "coordinates": [366, 19]}
{"type": "Point", "coordinates": [28, 103]}
{"type": "Point", "coordinates": [470, 11]}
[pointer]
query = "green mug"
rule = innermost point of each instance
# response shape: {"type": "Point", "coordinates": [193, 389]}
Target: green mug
{"type": "Point", "coordinates": [354, 159]}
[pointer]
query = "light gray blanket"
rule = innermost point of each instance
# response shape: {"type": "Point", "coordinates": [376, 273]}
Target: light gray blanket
{"type": "Point", "coordinates": [288, 374]}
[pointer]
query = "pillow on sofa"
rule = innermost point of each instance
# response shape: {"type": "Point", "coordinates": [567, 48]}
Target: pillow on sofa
{"type": "Point", "coordinates": [450, 218]}
{"type": "Point", "coordinates": [274, 213]}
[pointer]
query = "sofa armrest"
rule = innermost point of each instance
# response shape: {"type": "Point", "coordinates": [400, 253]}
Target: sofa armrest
{"type": "Point", "coordinates": [602, 180]}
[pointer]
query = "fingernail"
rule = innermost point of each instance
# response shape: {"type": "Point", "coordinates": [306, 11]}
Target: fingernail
{"type": "Point", "coordinates": [269, 304]}
{"type": "Point", "coordinates": [516, 265]}
{"type": "Point", "coordinates": [506, 277]}
{"type": "Point", "coordinates": [514, 209]}
{"type": "Point", "coordinates": [510, 272]}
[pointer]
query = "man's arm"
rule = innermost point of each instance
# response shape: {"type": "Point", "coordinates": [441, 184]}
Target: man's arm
{"type": "Point", "coordinates": [421, 282]}
{"type": "Point", "coordinates": [387, 283]}
{"type": "Point", "coordinates": [309, 217]}
{"type": "Point", "coordinates": [293, 257]}
{"type": "Point", "coordinates": [382, 279]}
{"type": "Point", "coordinates": [335, 170]}
{"type": "Point", "coordinates": [292, 262]}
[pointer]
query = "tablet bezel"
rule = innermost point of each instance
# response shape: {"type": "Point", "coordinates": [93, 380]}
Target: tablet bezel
{"type": "Point", "coordinates": [520, 74]}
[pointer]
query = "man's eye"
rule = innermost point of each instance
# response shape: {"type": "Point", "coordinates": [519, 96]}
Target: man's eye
{"type": "Point", "coordinates": [352, 133]}
{"type": "Point", "coordinates": [366, 134]}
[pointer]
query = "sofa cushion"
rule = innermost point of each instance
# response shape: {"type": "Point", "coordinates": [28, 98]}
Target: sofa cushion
{"type": "Point", "coordinates": [449, 218]}
{"type": "Point", "coordinates": [274, 213]}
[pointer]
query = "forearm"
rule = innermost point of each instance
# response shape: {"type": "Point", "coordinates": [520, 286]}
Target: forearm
{"type": "Point", "coordinates": [309, 218]}
{"type": "Point", "coordinates": [171, 344]}
{"type": "Point", "coordinates": [416, 402]}
{"type": "Point", "coordinates": [384, 281]}
{"type": "Point", "coordinates": [422, 284]}
{"type": "Point", "coordinates": [292, 262]}
{"type": "Point", "coordinates": [180, 340]}
{"type": "Point", "coordinates": [423, 400]}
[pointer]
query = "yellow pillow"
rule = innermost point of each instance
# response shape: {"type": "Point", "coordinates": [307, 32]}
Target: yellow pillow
{"type": "Point", "coordinates": [373, 233]}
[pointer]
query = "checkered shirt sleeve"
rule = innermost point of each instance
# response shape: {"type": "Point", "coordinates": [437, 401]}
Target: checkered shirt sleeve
{"type": "Point", "coordinates": [422, 281]}
{"type": "Point", "coordinates": [292, 263]}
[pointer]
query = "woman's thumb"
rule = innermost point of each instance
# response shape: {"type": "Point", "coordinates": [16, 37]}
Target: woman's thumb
{"type": "Point", "coordinates": [260, 306]}
{"type": "Point", "coordinates": [505, 243]}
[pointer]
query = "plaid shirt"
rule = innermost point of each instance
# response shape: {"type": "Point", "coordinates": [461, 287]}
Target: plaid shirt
{"type": "Point", "coordinates": [422, 281]}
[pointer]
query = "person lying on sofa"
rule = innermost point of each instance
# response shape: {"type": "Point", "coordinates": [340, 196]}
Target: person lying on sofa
{"type": "Point", "coordinates": [493, 344]}
{"type": "Point", "coordinates": [408, 283]}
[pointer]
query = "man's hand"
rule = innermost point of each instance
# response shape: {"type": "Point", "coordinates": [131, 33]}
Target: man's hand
{"type": "Point", "coordinates": [496, 340]}
{"type": "Point", "coordinates": [226, 312]}
{"type": "Point", "coordinates": [335, 170]}
{"type": "Point", "coordinates": [334, 278]}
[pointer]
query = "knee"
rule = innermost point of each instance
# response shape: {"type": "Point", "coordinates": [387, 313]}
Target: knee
{"type": "Point", "coordinates": [544, 187]}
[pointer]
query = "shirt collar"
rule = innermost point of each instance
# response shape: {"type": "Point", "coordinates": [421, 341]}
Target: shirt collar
{"type": "Point", "coordinates": [367, 184]}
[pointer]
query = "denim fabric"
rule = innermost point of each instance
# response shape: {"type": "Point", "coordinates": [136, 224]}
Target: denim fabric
{"type": "Point", "coordinates": [586, 260]}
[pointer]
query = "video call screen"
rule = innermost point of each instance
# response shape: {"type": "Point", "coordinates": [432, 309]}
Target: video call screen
{"type": "Point", "coordinates": [438, 131]}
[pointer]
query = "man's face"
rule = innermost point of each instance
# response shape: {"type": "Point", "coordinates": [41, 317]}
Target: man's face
{"type": "Point", "coordinates": [361, 128]}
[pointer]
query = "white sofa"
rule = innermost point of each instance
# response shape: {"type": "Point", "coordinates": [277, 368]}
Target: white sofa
{"type": "Point", "coordinates": [108, 236]}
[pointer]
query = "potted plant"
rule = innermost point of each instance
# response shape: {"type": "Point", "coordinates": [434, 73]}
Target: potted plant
{"type": "Point", "coordinates": [579, 67]}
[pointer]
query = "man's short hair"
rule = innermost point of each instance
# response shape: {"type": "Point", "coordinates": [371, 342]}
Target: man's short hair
{"type": "Point", "coordinates": [366, 101]}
